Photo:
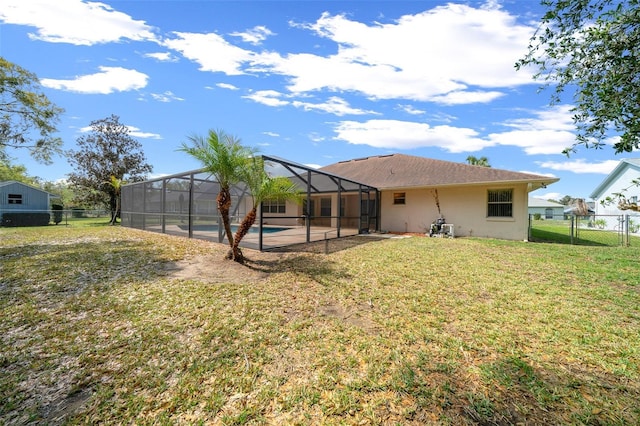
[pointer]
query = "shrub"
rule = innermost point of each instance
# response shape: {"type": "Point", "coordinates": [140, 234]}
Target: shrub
{"type": "Point", "coordinates": [601, 223]}
{"type": "Point", "coordinates": [57, 213]}
{"type": "Point", "coordinates": [25, 219]}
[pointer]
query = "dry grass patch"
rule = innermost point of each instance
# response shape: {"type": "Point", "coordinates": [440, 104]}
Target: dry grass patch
{"type": "Point", "coordinates": [112, 325]}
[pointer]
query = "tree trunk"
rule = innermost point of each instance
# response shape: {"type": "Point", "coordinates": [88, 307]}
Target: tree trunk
{"type": "Point", "coordinates": [224, 205]}
{"type": "Point", "coordinates": [243, 230]}
{"type": "Point", "coordinates": [114, 214]}
{"type": "Point", "coordinates": [113, 205]}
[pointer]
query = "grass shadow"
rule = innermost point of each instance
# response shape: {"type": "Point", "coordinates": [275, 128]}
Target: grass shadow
{"type": "Point", "coordinates": [329, 246]}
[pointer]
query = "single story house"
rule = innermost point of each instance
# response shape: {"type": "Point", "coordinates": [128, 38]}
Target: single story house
{"type": "Point", "coordinates": [415, 191]}
{"type": "Point", "coordinates": [619, 181]}
{"type": "Point", "coordinates": [546, 209]}
{"type": "Point", "coordinates": [393, 193]}
{"type": "Point", "coordinates": [17, 197]}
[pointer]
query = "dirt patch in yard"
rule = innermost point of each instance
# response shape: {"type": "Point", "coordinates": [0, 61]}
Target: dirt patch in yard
{"type": "Point", "coordinates": [215, 269]}
{"type": "Point", "coordinates": [212, 267]}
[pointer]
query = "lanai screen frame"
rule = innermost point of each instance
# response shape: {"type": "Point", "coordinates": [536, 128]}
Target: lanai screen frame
{"type": "Point", "coordinates": [184, 204]}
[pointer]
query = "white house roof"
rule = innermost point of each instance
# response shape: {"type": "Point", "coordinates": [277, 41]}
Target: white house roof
{"type": "Point", "coordinates": [539, 202]}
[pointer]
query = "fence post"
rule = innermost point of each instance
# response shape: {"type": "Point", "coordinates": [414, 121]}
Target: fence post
{"type": "Point", "coordinates": [626, 230]}
{"type": "Point", "coordinates": [573, 217]}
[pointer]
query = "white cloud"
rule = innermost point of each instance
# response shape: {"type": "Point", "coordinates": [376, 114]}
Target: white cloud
{"type": "Point", "coordinates": [108, 80]}
{"type": "Point", "coordinates": [333, 105]}
{"type": "Point", "coordinates": [452, 54]}
{"type": "Point", "coordinates": [267, 97]}
{"type": "Point", "coordinates": [538, 173]}
{"type": "Point", "coordinates": [394, 134]}
{"type": "Point", "coordinates": [548, 131]}
{"type": "Point", "coordinates": [315, 137]}
{"type": "Point", "coordinates": [226, 86]}
{"type": "Point", "coordinates": [548, 195]}
{"type": "Point", "coordinates": [167, 96]}
{"type": "Point", "coordinates": [272, 134]}
{"type": "Point", "coordinates": [133, 131]}
{"type": "Point", "coordinates": [211, 51]}
{"type": "Point", "coordinates": [435, 55]}
{"type": "Point", "coordinates": [74, 21]}
{"type": "Point", "coordinates": [581, 166]}
{"type": "Point", "coordinates": [410, 109]}
{"type": "Point", "coordinates": [137, 133]}
{"type": "Point", "coordinates": [161, 56]}
{"type": "Point", "coordinates": [459, 97]}
{"type": "Point", "coordinates": [255, 36]}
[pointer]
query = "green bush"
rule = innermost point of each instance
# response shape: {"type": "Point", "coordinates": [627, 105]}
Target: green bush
{"type": "Point", "coordinates": [57, 213]}
{"type": "Point", "coordinates": [601, 223]}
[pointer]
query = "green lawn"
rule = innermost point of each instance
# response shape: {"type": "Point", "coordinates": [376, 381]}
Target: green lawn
{"type": "Point", "coordinates": [559, 231]}
{"type": "Point", "coordinates": [400, 331]}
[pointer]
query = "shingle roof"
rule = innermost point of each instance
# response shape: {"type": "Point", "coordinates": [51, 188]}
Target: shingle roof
{"type": "Point", "coordinates": [407, 171]}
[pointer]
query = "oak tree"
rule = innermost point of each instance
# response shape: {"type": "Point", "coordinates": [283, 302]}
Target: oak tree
{"type": "Point", "coordinates": [107, 152]}
{"type": "Point", "coordinates": [592, 49]}
{"type": "Point", "coordinates": [27, 117]}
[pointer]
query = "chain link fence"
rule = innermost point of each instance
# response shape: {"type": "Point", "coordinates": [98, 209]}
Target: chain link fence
{"type": "Point", "coordinates": [18, 218]}
{"type": "Point", "coordinates": [595, 230]}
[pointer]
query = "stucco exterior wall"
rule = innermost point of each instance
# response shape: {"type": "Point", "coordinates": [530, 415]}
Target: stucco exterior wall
{"type": "Point", "coordinates": [464, 207]}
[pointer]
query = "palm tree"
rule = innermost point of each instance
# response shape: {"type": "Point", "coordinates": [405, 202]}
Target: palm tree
{"type": "Point", "coordinates": [474, 161]}
{"type": "Point", "coordinates": [226, 159]}
{"type": "Point", "coordinates": [117, 186]}
{"type": "Point", "coordinates": [262, 188]}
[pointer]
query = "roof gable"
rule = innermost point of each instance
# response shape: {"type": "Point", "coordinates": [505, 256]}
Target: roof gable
{"type": "Point", "coordinates": [8, 183]}
{"type": "Point", "coordinates": [407, 171]}
{"type": "Point", "coordinates": [623, 165]}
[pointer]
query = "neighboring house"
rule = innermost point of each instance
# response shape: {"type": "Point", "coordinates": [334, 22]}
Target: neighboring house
{"type": "Point", "coordinates": [31, 203]}
{"type": "Point", "coordinates": [546, 209]}
{"type": "Point", "coordinates": [619, 181]}
{"type": "Point", "coordinates": [18, 196]}
{"type": "Point", "coordinates": [415, 191]}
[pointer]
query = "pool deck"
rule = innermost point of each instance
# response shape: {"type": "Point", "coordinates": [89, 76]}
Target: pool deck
{"type": "Point", "coordinates": [270, 240]}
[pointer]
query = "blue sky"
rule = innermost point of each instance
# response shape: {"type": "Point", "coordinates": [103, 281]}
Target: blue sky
{"type": "Point", "coordinates": [314, 82]}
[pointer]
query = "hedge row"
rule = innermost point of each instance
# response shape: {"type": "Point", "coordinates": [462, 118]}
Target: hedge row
{"type": "Point", "coordinates": [25, 219]}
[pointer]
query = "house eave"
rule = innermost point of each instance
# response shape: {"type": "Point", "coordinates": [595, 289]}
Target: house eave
{"type": "Point", "coordinates": [532, 184]}
{"type": "Point", "coordinates": [612, 177]}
